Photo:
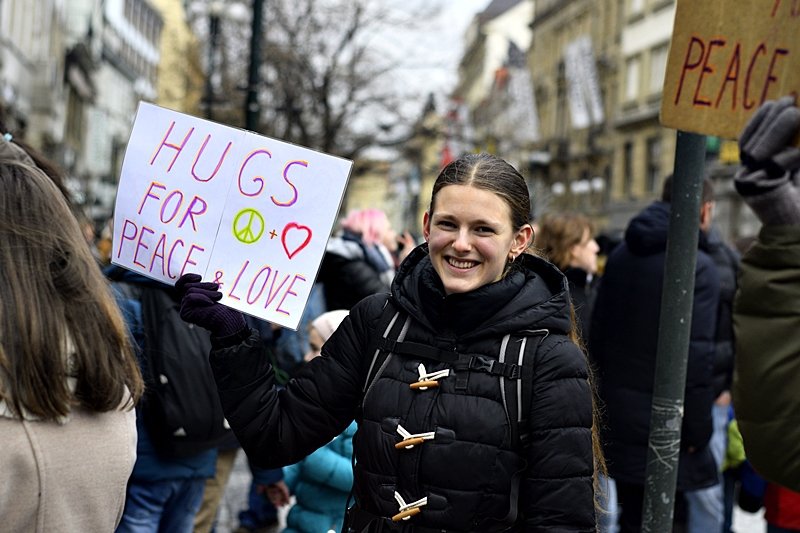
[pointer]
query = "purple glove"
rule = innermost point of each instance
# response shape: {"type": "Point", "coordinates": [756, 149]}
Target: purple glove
{"type": "Point", "coordinates": [766, 181]}
{"type": "Point", "coordinates": [199, 305]}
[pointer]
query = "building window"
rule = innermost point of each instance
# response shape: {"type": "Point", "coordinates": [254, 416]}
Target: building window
{"type": "Point", "coordinates": [658, 66]}
{"type": "Point", "coordinates": [627, 165]}
{"type": "Point", "coordinates": [653, 163]}
{"type": "Point", "coordinates": [635, 7]}
{"type": "Point", "coordinates": [632, 67]}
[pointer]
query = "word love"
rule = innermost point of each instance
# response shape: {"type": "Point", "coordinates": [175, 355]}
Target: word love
{"type": "Point", "coordinates": [264, 286]}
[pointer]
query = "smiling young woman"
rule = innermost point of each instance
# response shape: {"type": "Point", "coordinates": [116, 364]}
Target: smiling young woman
{"type": "Point", "coordinates": [473, 404]}
{"type": "Point", "coordinates": [471, 238]}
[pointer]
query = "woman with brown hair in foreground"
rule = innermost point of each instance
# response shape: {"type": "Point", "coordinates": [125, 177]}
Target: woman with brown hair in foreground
{"type": "Point", "coordinates": [68, 376]}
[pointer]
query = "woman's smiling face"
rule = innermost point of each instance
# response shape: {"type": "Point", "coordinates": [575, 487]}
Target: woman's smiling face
{"type": "Point", "coordinates": [471, 237]}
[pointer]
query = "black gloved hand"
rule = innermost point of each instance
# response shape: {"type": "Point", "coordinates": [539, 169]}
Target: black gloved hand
{"type": "Point", "coordinates": [200, 305]}
{"type": "Point", "coordinates": [767, 179]}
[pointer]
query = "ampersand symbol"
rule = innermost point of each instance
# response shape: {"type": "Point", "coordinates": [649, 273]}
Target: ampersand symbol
{"type": "Point", "coordinates": [218, 278]}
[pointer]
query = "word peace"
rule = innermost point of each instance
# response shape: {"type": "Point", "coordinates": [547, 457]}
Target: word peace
{"type": "Point", "coordinates": [731, 73]}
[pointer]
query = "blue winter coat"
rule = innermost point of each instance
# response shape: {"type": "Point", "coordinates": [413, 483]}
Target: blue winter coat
{"type": "Point", "coordinates": [321, 484]}
{"type": "Point", "coordinates": [623, 341]}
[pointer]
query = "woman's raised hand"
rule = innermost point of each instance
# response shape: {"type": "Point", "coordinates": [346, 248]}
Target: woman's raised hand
{"type": "Point", "coordinates": [200, 305]}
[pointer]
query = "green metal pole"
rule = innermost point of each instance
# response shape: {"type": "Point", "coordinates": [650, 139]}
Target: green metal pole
{"type": "Point", "coordinates": [252, 111]}
{"type": "Point", "coordinates": [677, 297]}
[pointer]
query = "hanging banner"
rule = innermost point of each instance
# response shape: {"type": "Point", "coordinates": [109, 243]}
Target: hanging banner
{"type": "Point", "coordinates": [585, 102]}
{"type": "Point", "coordinates": [726, 58]}
{"type": "Point", "coordinates": [249, 212]}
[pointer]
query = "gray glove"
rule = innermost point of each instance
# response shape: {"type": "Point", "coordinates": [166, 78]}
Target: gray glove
{"type": "Point", "coordinates": [767, 180]}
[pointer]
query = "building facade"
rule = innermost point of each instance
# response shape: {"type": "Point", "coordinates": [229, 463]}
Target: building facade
{"type": "Point", "coordinates": [33, 69]}
{"type": "Point", "coordinates": [597, 69]}
{"type": "Point", "coordinates": [73, 72]}
{"type": "Point", "coordinates": [571, 59]}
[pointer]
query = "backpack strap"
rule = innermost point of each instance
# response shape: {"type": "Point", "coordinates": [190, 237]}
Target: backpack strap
{"type": "Point", "coordinates": [517, 391]}
{"type": "Point", "coordinates": [393, 326]}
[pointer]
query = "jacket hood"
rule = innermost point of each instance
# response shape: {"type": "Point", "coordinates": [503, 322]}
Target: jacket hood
{"type": "Point", "coordinates": [533, 295]}
{"type": "Point", "coordinates": [647, 232]}
{"type": "Point", "coordinates": [713, 242]}
{"type": "Point", "coordinates": [347, 248]}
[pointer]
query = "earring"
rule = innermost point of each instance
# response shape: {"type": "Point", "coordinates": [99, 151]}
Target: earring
{"type": "Point", "coordinates": [512, 258]}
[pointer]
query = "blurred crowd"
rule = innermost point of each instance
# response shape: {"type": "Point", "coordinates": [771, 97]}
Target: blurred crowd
{"type": "Point", "coordinates": [76, 357]}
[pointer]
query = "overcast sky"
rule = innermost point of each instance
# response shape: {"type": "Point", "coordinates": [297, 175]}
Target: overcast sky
{"type": "Point", "coordinates": [448, 41]}
{"type": "Point", "coordinates": [425, 55]}
{"type": "Point", "coordinates": [432, 50]}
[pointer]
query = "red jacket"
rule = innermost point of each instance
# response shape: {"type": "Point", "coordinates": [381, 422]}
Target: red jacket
{"type": "Point", "coordinates": [782, 507]}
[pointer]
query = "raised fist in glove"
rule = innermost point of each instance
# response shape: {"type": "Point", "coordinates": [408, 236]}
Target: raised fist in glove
{"type": "Point", "coordinates": [200, 305]}
{"type": "Point", "coordinates": [770, 161]}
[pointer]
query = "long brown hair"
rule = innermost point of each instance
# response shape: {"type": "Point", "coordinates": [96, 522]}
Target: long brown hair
{"type": "Point", "coordinates": [558, 233]}
{"type": "Point", "coordinates": [54, 294]}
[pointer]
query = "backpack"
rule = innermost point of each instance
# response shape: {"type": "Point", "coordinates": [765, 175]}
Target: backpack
{"type": "Point", "coordinates": [181, 409]}
{"type": "Point", "coordinates": [393, 326]}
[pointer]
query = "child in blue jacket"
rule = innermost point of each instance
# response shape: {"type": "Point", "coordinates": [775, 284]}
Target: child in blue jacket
{"type": "Point", "coordinates": [322, 481]}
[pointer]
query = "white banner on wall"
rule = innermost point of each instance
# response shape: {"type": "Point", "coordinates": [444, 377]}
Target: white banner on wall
{"type": "Point", "coordinates": [585, 99]}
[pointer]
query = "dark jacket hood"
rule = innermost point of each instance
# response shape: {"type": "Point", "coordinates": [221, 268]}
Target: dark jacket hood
{"type": "Point", "coordinates": [533, 295]}
{"type": "Point", "coordinates": [647, 232]}
{"type": "Point", "coordinates": [715, 244]}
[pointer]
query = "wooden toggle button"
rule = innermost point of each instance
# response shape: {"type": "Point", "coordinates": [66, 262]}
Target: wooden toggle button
{"type": "Point", "coordinates": [409, 443]}
{"type": "Point", "coordinates": [405, 515]}
{"type": "Point", "coordinates": [424, 384]}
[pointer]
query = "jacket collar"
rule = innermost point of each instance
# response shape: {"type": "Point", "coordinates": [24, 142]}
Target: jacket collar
{"type": "Point", "coordinates": [533, 294]}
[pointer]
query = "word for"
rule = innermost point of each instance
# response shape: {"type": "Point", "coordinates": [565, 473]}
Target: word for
{"type": "Point", "coordinates": [159, 256]}
{"type": "Point", "coordinates": [171, 205]}
{"type": "Point", "coordinates": [263, 285]}
{"type": "Point", "coordinates": [249, 181]}
{"type": "Point", "coordinates": [721, 71]}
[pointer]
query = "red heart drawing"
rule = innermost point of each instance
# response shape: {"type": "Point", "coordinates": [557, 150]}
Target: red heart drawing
{"type": "Point", "coordinates": [294, 225]}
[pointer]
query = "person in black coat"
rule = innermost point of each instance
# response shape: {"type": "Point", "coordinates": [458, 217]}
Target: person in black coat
{"type": "Point", "coordinates": [473, 405]}
{"type": "Point", "coordinates": [623, 341]}
{"type": "Point", "coordinates": [357, 263]}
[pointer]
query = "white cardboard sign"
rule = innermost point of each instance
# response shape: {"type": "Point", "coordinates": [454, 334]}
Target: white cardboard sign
{"type": "Point", "coordinates": [252, 213]}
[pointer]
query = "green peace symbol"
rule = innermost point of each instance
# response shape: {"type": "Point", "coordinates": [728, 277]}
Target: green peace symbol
{"type": "Point", "coordinates": [243, 229]}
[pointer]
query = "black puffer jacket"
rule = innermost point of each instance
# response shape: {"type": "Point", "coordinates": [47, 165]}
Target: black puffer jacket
{"type": "Point", "coordinates": [466, 470]}
{"type": "Point", "coordinates": [727, 261]}
{"type": "Point", "coordinates": [352, 270]}
{"type": "Point", "coordinates": [623, 341]}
